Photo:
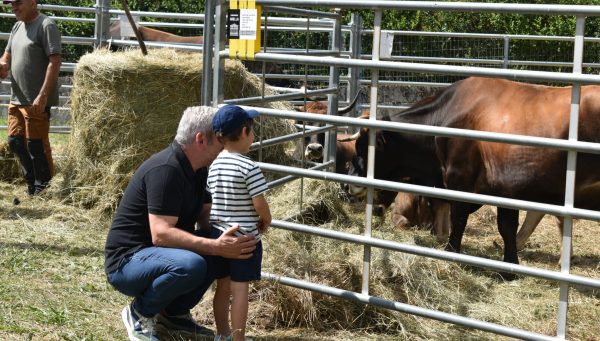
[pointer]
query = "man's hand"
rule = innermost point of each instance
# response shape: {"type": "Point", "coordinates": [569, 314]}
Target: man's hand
{"type": "Point", "coordinates": [231, 246]}
{"type": "Point", "coordinates": [39, 104]}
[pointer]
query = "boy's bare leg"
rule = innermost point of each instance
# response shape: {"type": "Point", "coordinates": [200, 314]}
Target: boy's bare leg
{"type": "Point", "coordinates": [239, 309]}
{"type": "Point", "coordinates": [221, 306]}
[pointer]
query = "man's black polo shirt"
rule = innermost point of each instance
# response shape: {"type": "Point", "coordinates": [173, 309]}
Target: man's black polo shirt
{"type": "Point", "coordinates": [165, 184]}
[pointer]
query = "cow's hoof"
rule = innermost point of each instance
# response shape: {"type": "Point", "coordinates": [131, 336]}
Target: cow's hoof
{"type": "Point", "coordinates": [507, 276]}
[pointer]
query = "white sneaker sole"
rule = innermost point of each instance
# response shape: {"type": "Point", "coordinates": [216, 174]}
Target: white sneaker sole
{"type": "Point", "coordinates": [127, 322]}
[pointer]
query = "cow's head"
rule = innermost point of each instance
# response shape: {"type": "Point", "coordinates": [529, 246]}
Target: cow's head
{"type": "Point", "coordinates": [385, 159]}
{"type": "Point", "coordinates": [313, 144]}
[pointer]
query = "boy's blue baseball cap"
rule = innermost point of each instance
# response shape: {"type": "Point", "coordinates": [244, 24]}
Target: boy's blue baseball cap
{"type": "Point", "coordinates": [229, 118]}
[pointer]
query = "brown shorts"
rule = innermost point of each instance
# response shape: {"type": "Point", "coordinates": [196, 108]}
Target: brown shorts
{"type": "Point", "coordinates": [21, 122]}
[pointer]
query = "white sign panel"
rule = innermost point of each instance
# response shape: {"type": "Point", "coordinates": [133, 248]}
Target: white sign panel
{"type": "Point", "coordinates": [248, 20]}
{"type": "Point", "coordinates": [386, 44]}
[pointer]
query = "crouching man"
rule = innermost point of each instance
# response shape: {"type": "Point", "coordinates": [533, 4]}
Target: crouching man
{"type": "Point", "coordinates": [153, 252]}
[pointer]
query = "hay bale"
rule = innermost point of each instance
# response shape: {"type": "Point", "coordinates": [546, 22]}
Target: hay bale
{"type": "Point", "coordinates": [9, 166]}
{"type": "Point", "coordinates": [126, 106]}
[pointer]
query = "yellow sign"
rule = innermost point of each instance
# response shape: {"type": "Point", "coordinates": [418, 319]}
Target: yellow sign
{"type": "Point", "coordinates": [244, 29]}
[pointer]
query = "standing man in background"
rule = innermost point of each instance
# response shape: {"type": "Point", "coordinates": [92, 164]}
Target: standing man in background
{"type": "Point", "coordinates": [32, 58]}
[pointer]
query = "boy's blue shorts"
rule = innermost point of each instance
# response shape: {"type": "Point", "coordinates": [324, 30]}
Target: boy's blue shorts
{"type": "Point", "coordinates": [240, 270]}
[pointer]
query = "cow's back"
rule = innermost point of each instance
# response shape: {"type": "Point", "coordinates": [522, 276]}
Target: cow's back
{"type": "Point", "coordinates": [512, 170]}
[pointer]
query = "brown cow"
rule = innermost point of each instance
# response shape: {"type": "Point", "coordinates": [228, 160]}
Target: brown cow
{"type": "Point", "coordinates": [513, 171]}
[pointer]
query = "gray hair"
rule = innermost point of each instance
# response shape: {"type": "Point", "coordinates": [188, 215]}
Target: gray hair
{"type": "Point", "coordinates": [195, 120]}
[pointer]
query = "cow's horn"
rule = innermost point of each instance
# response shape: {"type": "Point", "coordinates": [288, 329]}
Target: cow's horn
{"type": "Point", "coordinates": [350, 106]}
{"type": "Point", "coordinates": [351, 138]}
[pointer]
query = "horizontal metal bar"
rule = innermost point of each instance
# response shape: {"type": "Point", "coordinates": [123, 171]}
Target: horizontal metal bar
{"type": "Point", "coordinates": [384, 106]}
{"type": "Point", "coordinates": [45, 7]}
{"type": "Point", "coordinates": [303, 12]}
{"type": "Point", "coordinates": [8, 97]}
{"type": "Point", "coordinates": [542, 9]}
{"type": "Point", "coordinates": [437, 69]}
{"type": "Point", "coordinates": [492, 264]}
{"type": "Point", "coordinates": [407, 83]}
{"type": "Point", "coordinates": [53, 129]}
{"type": "Point", "coordinates": [298, 22]}
{"type": "Point", "coordinates": [281, 97]}
{"type": "Point", "coordinates": [311, 29]}
{"type": "Point", "coordinates": [439, 59]}
{"type": "Point", "coordinates": [482, 35]}
{"type": "Point", "coordinates": [288, 178]}
{"type": "Point", "coordinates": [181, 46]}
{"type": "Point", "coordinates": [290, 137]}
{"type": "Point", "coordinates": [407, 308]}
{"type": "Point", "coordinates": [68, 67]}
{"type": "Point", "coordinates": [534, 141]}
{"type": "Point", "coordinates": [169, 15]}
{"type": "Point", "coordinates": [479, 61]}
{"type": "Point", "coordinates": [78, 40]}
{"type": "Point", "coordinates": [300, 52]}
{"type": "Point", "coordinates": [170, 24]}
{"type": "Point", "coordinates": [73, 19]}
{"type": "Point", "coordinates": [293, 77]}
{"type": "Point", "coordinates": [438, 192]}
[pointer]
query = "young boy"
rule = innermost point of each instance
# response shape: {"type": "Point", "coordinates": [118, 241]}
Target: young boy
{"type": "Point", "coordinates": [237, 186]}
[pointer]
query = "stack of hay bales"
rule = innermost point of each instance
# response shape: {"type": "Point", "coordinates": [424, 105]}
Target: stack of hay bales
{"type": "Point", "coordinates": [126, 106]}
{"type": "Point", "coordinates": [9, 166]}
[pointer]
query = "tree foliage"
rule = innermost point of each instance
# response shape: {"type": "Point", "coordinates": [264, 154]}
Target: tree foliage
{"type": "Point", "coordinates": [431, 21]}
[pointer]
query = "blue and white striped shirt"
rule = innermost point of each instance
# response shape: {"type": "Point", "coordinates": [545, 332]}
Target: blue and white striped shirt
{"type": "Point", "coordinates": [233, 180]}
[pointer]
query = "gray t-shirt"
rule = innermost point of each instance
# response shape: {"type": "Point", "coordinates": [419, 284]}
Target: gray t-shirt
{"type": "Point", "coordinates": [29, 46]}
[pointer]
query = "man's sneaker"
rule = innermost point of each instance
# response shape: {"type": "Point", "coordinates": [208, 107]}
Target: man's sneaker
{"type": "Point", "coordinates": [183, 323]}
{"type": "Point", "coordinates": [139, 328]}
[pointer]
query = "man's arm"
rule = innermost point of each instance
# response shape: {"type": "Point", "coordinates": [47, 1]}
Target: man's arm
{"type": "Point", "coordinates": [49, 82]}
{"type": "Point", "coordinates": [4, 65]}
{"type": "Point", "coordinates": [165, 234]}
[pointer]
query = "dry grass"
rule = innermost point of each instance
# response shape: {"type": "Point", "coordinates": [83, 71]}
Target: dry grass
{"type": "Point", "coordinates": [53, 285]}
{"type": "Point", "coordinates": [9, 168]}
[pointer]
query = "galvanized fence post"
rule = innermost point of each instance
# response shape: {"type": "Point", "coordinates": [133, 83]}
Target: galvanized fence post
{"type": "Point", "coordinates": [102, 23]}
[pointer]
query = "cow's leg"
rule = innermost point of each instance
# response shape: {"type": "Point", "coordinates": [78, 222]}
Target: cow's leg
{"type": "Point", "coordinates": [508, 222]}
{"type": "Point", "coordinates": [441, 220]}
{"type": "Point", "coordinates": [459, 213]}
{"type": "Point", "coordinates": [532, 220]}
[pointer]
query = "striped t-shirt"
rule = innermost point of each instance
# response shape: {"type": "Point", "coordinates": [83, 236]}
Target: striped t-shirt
{"type": "Point", "coordinates": [233, 180]}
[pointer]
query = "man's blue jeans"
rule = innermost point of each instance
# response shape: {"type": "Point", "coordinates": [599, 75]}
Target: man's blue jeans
{"type": "Point", "coordinates": [163, 278]}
